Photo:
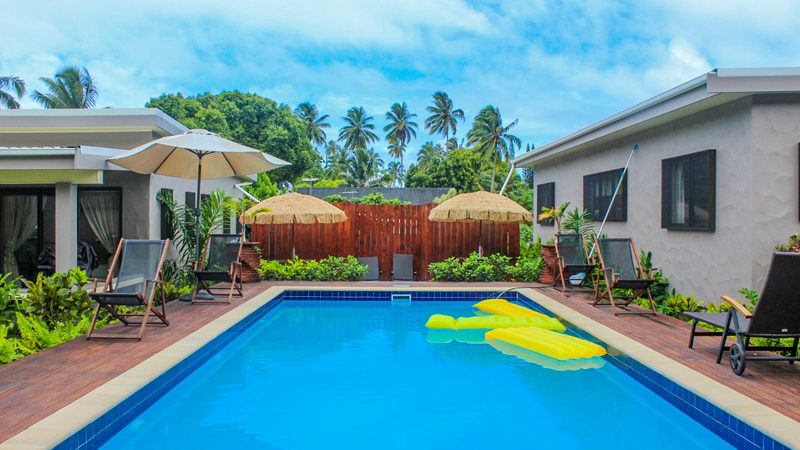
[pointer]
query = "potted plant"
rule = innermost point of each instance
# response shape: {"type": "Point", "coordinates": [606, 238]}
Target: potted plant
{"type": "Point", "coordinates": [548, 252]}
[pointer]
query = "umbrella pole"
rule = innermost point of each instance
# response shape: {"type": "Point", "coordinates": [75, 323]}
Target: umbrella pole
{"type": "Point", "coordinates": [200, 295]}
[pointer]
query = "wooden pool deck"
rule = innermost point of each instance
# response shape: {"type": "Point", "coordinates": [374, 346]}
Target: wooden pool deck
{"type": "Point", "coordinates": [36, 386]}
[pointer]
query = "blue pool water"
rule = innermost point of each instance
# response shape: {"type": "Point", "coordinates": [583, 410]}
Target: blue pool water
{"type": "Point", "coordinates": [364, 375]}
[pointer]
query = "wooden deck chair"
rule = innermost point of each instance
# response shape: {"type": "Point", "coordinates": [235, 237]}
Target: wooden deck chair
{"type": "Point", "coordinates": [776, 315]}
{"type": "Point", "coordinates": [220, 262]}
{"type": "Point", "coordinates": [571, 259]}
{"type": "Point", "coordinates": [621, 268]}
{"type": "Point", "coordinates": [139, 274]}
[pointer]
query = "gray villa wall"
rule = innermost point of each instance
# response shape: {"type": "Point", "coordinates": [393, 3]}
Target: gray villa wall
{"type": "Point", "coordinates": [756, 192]}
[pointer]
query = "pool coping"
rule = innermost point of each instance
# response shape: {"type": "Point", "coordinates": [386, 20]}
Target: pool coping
{"type": "Point", "coordinates": [61, 425]}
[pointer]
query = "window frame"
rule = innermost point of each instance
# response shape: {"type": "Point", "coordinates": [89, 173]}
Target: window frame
{"type": "Point", "coordinates": [666, 191]}
{"type": "Point", "coordinates": [551, 196]}
{"type": "Point", "coordinates": [621, 199]}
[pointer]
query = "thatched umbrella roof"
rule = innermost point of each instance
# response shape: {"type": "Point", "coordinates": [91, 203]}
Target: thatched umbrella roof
{"type": "Point", "coordinates": [293, 208]}
{"type": "Point", "coordinates": [480, 206]}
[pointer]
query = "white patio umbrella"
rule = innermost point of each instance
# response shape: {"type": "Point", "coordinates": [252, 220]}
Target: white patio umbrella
{"type": "Point", "coordinates": [197, 154]}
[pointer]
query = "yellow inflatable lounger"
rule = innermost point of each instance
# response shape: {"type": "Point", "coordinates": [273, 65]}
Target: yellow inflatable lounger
{"type": "Point", "coordinates": [547, 362]}
{"type": "Point", "coordinates": [549, 343]}
{"type": "Point", "coordinates": [441, 321]}
{"type": "Point", "coordinates": [446, 336]}
{"type": "Point", "coordinates": [508, 309]}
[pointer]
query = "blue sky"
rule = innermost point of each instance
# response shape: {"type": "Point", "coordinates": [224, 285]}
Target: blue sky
{"type": "Point", "coordinates": [554, 65]}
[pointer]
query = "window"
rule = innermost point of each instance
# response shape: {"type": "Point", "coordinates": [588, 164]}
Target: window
{"type": "Point", "coordinates": [688, 192]}
{"type": "Point", "coordinates": [190, 202]}
{"type": "Point", "coordinates": [27, 231]}
{"type": "Point", "coordinates": [166, 223]}
{"type": "Point", "coordinates": [99, 227]}
{"type": "Point", "coordinates": [545, 197]}
{"type": "Point", "coordinates": [597, 192]}
{"type": "Point", "coordinates": [226, 222]}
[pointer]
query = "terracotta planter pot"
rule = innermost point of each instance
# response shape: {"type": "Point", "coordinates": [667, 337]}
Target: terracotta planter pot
{"type": "Point", "coordinates": [548, 273]}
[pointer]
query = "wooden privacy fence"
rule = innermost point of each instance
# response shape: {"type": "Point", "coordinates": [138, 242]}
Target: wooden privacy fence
{"type": "Point", "coordinates": [382, 230]}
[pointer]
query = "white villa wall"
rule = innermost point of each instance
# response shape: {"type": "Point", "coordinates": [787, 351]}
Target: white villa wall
{"type": "Point", "coordinates": [704, 263]}
{"type": "Point", "coordinates": [776, 134]}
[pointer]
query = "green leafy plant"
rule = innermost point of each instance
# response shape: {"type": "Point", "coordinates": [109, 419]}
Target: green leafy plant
{"type": "Point", "coordinates": [530, 244]}
{"type": "Point", "coordinates": [36, 334]}
{"type": "Point", "coordinates": [555, 214]}
{"type": "Point", "coordinates": [579, 222]}
{"type": "Point", "coordinates": [332, 268]}
{"type": "Point", "coordinates": [495, 267]}
{"type": "Point", "coordinates": [375, 198]}
{"type": "Point", "coordinates": [8, 347]}
{"type": "Point", "coordinates": [9, 299]}
{"type": "Point", "coordinates": [792, 244]}
{"type": "Point", "coordinates": [59, 298]}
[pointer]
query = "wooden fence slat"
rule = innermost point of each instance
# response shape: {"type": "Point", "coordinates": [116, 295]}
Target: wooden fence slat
{"type": "Point", "coordinates": [383, 230]}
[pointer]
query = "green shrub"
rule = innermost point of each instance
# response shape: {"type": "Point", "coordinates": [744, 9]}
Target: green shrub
{"type": "Point", "coordinates": [530, 244]}
{"type": "Point", "coordinates": [9, 303]}
{"type": "Point", "coordinates": [495, 267]}
{"type": "Point", "coordinates": [36, 334]}
{"type": "Point", "coordinates": [376, 198]}
{"type": "Point", "coordinates": [8, 347]}
{"type": "Point", "coordinates": [331, 268]}
{"type": "Point", "coordinates": [792, 244]}
{"type": "Point", "coordinates": [59, 298]}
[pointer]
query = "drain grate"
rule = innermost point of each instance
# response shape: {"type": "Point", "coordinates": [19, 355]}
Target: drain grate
{"type": "Point", "coordinates": [401, 298]}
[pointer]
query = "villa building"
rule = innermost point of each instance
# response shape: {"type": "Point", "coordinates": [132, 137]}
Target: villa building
{"type": "Point", "coordinates": [712, 187]}
{"type": "Point", "coordinates": [58, 193]}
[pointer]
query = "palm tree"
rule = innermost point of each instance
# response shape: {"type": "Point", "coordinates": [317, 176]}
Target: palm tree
{"type": "Point", "coordinates": [15, 84]}
{"type": "Point", "coordinates": [401, 129]}
{"type": "Point", "coordinates": [454, 144]}
{"type": "Point", "coordinates": [395, 170]}
{"type": "Point", "coordinates": [72, 87]}
{"type": "Point", "coordinates": [489, 137]}
{"type": "Point", "coordinates": [443, 117]}
{"type": "Point", "coordinates": [363, 168]}
{"type": "Point", "coordinates": [335, 160]}
{"type": "Point", "coordinates": [358, 131]}
{"type": "Point", "coordinates": [429, 153]}
{"type": "Point", "coordinates": [315, 123]}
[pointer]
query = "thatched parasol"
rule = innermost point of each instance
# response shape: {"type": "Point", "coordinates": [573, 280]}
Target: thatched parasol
{"type": "Point", "coordinates": [292, 208]}
{"type": "Point", "coordinates": [480, 207]}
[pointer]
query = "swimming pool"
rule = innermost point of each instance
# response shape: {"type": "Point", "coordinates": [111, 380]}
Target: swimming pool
{"type": "Point", "coordinates": [363, 374]}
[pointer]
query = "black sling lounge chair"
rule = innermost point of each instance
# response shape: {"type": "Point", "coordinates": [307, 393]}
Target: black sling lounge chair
{"type": "Point", "coordinates": [571, 259]}
{"type": "Point", "coordinates": [139, 275]}
{"type": "Point", "coordinates": [621, 268]}
{"type": "Point", "coordinates": [776, 315]}
{"type": "Point", "coordinates": [221, 262]}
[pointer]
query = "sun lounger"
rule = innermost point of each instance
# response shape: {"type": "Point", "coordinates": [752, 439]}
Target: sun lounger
{"type": "Point", "coordinates": [373, 272]}
{"type": "Point", "coordinates": [776, 315]}
{"type": "Point", "coordinates": [139, 277]}
{"type": "Point", "coordinates": [571, 260]}
{"type": "Point", "coordinates": [221, 263]}
{"type": "Point", "coordinates": [621, 269]}
{"type": "Point", "coordinates": [403, 267]}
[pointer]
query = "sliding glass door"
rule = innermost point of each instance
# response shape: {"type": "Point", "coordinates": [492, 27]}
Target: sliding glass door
{"type": "Point", "coordinates": [27, 231]}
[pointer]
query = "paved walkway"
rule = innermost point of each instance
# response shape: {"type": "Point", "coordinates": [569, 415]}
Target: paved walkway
{"type": "Point", "coordinates": [36, 386]}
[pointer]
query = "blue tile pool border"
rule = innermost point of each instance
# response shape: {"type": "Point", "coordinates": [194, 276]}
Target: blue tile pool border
{"type": "Point", "coordinates": [728, 427]}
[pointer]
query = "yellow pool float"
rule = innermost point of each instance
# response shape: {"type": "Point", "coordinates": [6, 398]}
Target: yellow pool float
{"type": "Point", "coordinates": [547, 362]}
{"type": "Point", "coordinates": [506, 308]}
{"type": "Point", "coordinates": [549, 343]}
{"type": "Point", "coordinates": [441, 321]}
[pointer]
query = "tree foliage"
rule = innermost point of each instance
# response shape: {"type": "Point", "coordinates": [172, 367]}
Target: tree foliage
{"type": "Point", "coordinates": [315, 124]}
{"type": "Point", "coordinates": [357, 132]}
{"type": "Point", "coordinates": [459, 169]}
{"type": "Point", "coordinates": [72, 87]}
{"type": "Point", "coordinates": [9, 99]}
{"type": "Point", "coordinates": [443, 116]}
{"type": "Point", "coordinates": [250, 120]}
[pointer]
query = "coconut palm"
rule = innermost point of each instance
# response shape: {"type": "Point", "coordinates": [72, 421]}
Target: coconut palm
{"type": "Point", "coordinates": [429, 153]}
{"type": "Point", "coordinates": [357, 133]}
{"type": "Point", "coordinates": [400, 127]}
{"type": "Point", "coordinates": [335, 160]}
{"type": "Point", "coordinates": [489, 137]}
{"type": "Point", "coordinates": [454, 144]}
{"type": "Point", "coordinates": [72, 87]}
{"type": "Point", "coordinates": [363, 168]}
{"type": "Point", "coordinates": [396, 150]}
{"type": "Point", "coordinates": [15, 84]}
{"type": "Point", "coordinates": [395, 171]}
{"type": "Point", "coordinates": [315, 124]}
{"type": "Point", "coordinates": [443, 117]}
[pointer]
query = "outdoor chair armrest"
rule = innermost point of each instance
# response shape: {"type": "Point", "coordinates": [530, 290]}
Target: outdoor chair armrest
{"type": "Point", "coordinates": [737, 306]}
{"type": "Point", "coordinates": [95, 281]}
